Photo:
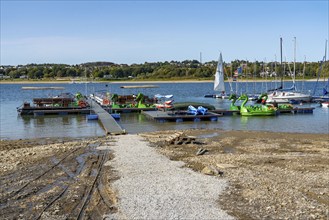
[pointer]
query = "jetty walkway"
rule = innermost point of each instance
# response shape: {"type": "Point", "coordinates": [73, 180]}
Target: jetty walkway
{"type": "Point", "coordinates": [109, 124]}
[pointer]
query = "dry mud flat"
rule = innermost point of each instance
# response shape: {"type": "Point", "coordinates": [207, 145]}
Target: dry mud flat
{"type": "Point", "coordinates": [271, 175]}
{"type": "Point", "coordinates": [55, 179]}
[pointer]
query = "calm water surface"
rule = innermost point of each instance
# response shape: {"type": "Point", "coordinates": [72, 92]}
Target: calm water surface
{"type": "Point", "coordinates": [14, 126]}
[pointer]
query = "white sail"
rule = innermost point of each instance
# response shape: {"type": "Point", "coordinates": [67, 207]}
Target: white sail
{"type": "Point", "coordinates": [219, 76]}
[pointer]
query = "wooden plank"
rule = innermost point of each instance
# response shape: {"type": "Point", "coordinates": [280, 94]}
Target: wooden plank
{"type": "Point", "coordinates": [172, 138]}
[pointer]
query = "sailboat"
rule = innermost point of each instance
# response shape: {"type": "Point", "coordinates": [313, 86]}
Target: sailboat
{"type": "Point", "coordinates": [219, 80]}
{"type": "Point", "coordinates": [324, 98]}
{"type": "Point", "coordinates": [288, 95]}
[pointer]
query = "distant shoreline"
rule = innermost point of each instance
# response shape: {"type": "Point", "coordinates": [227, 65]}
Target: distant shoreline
{"type": "Point", "coordinates": [134, 82]}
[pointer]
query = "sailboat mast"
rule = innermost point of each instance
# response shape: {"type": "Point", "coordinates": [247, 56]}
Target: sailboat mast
{"type": "Point", "coordinates": [325, 57]}
{"type": "Point", "coordinates": [276, 71]}
{"type": "Point", "coordinates": [294, 86]}
{"type": "Point", "coordinates": [254, 77]}
{"type": "Point", "coordinates": [294, 56]}
{"type": "Point", "coordinates": [281, 62]}
{"type": "Point", "coordinates": [320, 69]}
{"type": "Point", "coordinates": [304, 73]}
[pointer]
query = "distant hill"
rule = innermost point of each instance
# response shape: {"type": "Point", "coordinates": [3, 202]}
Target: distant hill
{"type": "Point", "coordinates": [98, 64]}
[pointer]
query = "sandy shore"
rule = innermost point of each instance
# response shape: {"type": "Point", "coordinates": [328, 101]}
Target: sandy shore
{"type": "Point", "coordinates": [268, 175]}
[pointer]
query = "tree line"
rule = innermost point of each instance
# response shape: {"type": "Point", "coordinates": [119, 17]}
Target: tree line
{"type": "Point", "coordinates": [188, 69]}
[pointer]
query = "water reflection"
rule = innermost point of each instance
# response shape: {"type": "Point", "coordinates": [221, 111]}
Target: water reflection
{"type": "Point", "coordinates": [66, 121]}
{"type": "Point", "coordinates": [40, 120]}
{"type": "Point", "coordinates": [59, 126]}
{"type": "Point", "coordinates": [244, 122]}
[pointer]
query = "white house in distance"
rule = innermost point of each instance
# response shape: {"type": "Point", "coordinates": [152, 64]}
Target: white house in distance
{"type": "Point", "coordinates": [4, 77]}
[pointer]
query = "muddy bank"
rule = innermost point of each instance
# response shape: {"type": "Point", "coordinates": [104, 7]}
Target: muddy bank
{"type": "Point", "coordinates": [56, 179]}
{"type": "Point", "coordinates": [271, 175]}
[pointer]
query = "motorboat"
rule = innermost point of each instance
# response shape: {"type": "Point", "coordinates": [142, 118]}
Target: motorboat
{"type": "Point", "coordinates": [288, 97]}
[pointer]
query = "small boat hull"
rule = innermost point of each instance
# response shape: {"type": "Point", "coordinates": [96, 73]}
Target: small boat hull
{"type": "Point", "coordinates": [116, 115]}
{"type": "Point", "coordinates": [246, 112]}
{"type": "Point", "coordinates": [287, 97]}
{"type": "Point", "coordinates": [325, 104]}
{"type": "Point", "coordinates": [257, 113]}
{"type": "Point", "coordinates": [92, 117]}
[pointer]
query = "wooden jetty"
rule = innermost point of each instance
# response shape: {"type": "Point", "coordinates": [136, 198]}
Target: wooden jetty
{"type": "Point", "coordinates": [225, 112]}
{"type": "Point", "coordinates": [296, 110]}
{"type": "Point", "coordinates": [110, 125]}
{"type": "Point", "coordinates": [128, 110]}
{"type": "Point", "coordinates": [54, 105]}
{"type": "Point", "coordinates": [51, 110]}
{"type": "Point", "coordinates": [139, 86]}
{"type": "Point", "coordinates": [60, 111]}
{"type": "Point", "coordinates": [179, 116]}
{"type": "Point", "coordinates": [41, 88]}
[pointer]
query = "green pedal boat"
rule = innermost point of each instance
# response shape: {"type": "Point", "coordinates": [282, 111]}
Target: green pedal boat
{"type": "Point", "coordinates": [255, 110]}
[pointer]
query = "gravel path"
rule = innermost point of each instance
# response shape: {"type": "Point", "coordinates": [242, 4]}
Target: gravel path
{"type": "Point", "coordinates": [153, 187]}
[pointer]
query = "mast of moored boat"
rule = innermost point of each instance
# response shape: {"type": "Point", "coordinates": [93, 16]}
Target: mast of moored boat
{"type": "Point", "coordinates": [320, 70]}
{"type": "Point", "coordinates": [281, 63]}
{"type": "Point", "coordinates": [294, 74]}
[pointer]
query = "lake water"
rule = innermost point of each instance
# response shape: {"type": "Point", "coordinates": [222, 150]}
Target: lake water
{"type": "Point", "coordinates": [14, 126]}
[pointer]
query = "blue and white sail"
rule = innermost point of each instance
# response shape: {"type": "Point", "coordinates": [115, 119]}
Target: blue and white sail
{"type": "Point", "coordinates": [219, 76]}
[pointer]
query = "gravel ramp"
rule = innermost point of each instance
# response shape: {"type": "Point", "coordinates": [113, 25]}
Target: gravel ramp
{"type": "Point", "coordinates": [153, 187]}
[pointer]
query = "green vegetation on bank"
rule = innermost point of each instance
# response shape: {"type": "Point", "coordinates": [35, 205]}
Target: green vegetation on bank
{"type": "Point", "coordinates": [173, 70]}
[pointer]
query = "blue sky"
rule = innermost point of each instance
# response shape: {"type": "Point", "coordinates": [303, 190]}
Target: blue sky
{"type": "Point", "coordinates": [74, 32]}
